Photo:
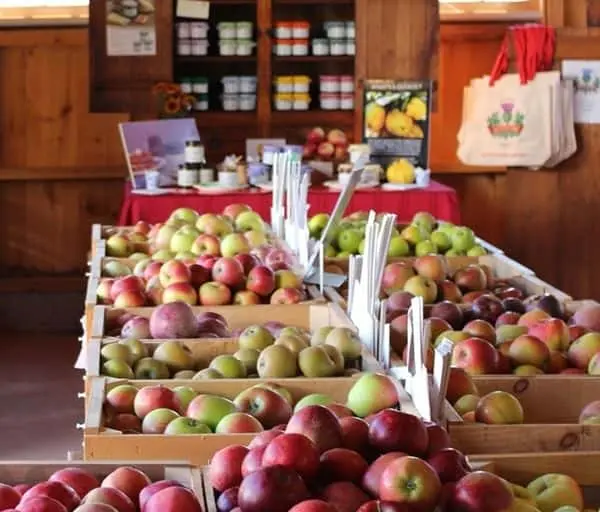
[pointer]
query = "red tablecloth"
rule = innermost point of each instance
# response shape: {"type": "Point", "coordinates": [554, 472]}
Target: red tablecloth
{"type": "Point", "coordinates": [440, 200]}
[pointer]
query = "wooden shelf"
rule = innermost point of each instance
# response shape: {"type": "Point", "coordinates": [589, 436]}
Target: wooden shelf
{"type": "Point", "coordinates": [307, 117]}
{"type": "Point", "coordinates": [214, 59]}
{"type": "Point", "coordinates": [315, 58]}
{"type": "Point", "coordinates": [223, 118]}
{"type": "Point", "coordinates": [312, 2]}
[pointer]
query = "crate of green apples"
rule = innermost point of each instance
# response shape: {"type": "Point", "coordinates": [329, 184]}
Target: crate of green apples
{"type": "Point", "coordinates": [40, 486]}
{"type": "Point", "coordinates": [191, 420]}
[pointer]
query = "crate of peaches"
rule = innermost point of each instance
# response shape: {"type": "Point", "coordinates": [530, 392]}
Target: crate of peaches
{"type": "Point", "coordinates": [191, 420]}
{"type": "Point", "coordinates": [178, 341]}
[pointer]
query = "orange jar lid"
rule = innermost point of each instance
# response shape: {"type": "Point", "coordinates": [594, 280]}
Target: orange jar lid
{"type": "Point", "coordinates": [301, 24]}
{"type": "Point", "coordinates": [285, 42]}
{"type": "Point", "coordinates": [284, 24]}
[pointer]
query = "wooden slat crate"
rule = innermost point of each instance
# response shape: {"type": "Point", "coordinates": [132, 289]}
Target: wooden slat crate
{"type": "Point", "coordinates": [101, 443]}
{"type": "Point", "coordinates": [552, 404]}
{"type": "Point", "coordinates": [31, 472]}
{"type": "Point", "coordinates": [521, 469]}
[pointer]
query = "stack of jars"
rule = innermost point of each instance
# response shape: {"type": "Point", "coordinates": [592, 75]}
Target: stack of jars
{"type": "Point", "coordinates": [192, 38]}
{"type": "Point", "coordinates": [336, 92]}
{"type": "Point", "coordinates": [236, 38]}
{"type": "Point", "coordinates": [292, 92]}
{"type": "Point", "coordinates": [291, 38]}
{"type": "Point", "coordinates": [340, 39]}
{"type": "Point", "coordinates": [197, 87]}
{"type": "Point", "coordinates": [239, 93]}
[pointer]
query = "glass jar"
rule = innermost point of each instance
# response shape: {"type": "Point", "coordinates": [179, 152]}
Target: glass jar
{"type": "Point", "coordinates": [200, 85]}
{"type": "Point", "coordinates": [227, 47]}
{"type": "Point", "coordinates": [187, 176]}
{"type": "Point", "coordinates": [330, 101]}
{"type": "Point", "coordinates": [231, 102]}
{"type": "Point", "coordinates": [258, 173]}
{"type": "Point", "coordinates": [184, 47]}
{"type": "Point", "coordinates": [335, 29]}
{"type": "Point", "coordinates": [320, 47]}
{"type": "Point", "coordinates": [231, 84]}
{"type": "Point", "coordinates": [329, 83]}
{"type": "Point", "coordinates": [194, 152]}
{"type": "Point", "coordinates": [206, 176]}
{"type": "Point", "coordinates": [283, 47]}
{"type": "Point", "coordinates": [300, 47]}
{"type": "Point", "coordinates": [247, 102]}
{"type": "Point", "coordinates": [186, 86]}
{"type": "Point", "coordinates": [300, 30]}
{"type": "Point", "coordinates": [244, 30]}
{"type": "Point", "coordinates": [244, 47]}
{"type": "Point", "coordinates": [199, 47]}
{"type": "Point", "coordinates": [268, 154]}
{"type": "Point", "coordinates": [301, 84]}
{"type": "Point", "coordinates": [183, 30]}
{"type": "Point", "coordinates": [283, 101]}
{"type": "Point", "coordinates": [130, 9]}
{"type": "Point", "coordinates": [248, 84]}
{"type": "Point", "coordinates": [283, 29]}
{"type": "Point", "coordinates": [199, 30]}
{"type": "Point", "coordinates": [350, 47]}
{"type": "Point", "coordinates": [350, 30]}
{"type": "Point", "coordinates": [337, 47]}
{"type": "Point", "coordinates": [227, 30]}
{"type": "Point", "coordinates": [284, 84]}
{"type": "Point", "coordinates": [346, 83]}
{"type": "Point", "coordinates": [301, 102]}
{"type": "Point", "coordinates": [201, 104]}
{"type": "Point", "coordinates": [346, 101]}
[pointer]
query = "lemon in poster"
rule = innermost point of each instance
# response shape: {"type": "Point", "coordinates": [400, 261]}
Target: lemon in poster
{"type": "Point", "coordinates": [417, 109]}
{"type": "Point", "coordinates": [401, 171]}
{"type": "Point", "coordinates": [375, 117]}
{"type": "Point", "coordinates": [399, 124]}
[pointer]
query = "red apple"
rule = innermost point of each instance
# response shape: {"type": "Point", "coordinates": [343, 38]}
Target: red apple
{"type": "Point", "coordinates": [412, 481]}
{"type": "Point", "coordinates": [344, 496]}
{"type": "Point", "coordinates": [214, 293]}
{"type": "Point", "coordinates": [326, 150]}
{"type": "Point", "coordinates": [199, 275]}
{"type": "Point", "coordinates": [152, 270]}
{"type": "Point", "coordinates": [261, 280]}
{"type": "Point", "coordinates": [253, 460]}
{"type": "Point", "coordinates": [337, 137]}
{"type": "Point", "coordinates": [228, 500]}
{"type": "Point", "coordinates": [355, 434]}
{"type": "Point", "coordinates": [481, 490]}
{"type": "Point", "coordinates": [42, 504]}
{"type": "Point", "coordinates": [22, 488]}
{"type": "Point", "coordinates": [228, 271]}
{"type": "Point", "coordinates": [9, 497]}
{"type": "Point", "coordinates": [295, 451]}
{"type": "Point", "coordinates": [58, 491]}
{"type": "Point", "coordinates": [225, 468]}
{"type": "Point", "coordinates": [287, 296]}
{"type": "Point", "coordinates": [207, 261]}
{"type": "Point", "coordinates": [396, 431]}
{"type": "Point", "coordinates": [315, 136]}
{"type": "Point", "coordinates": [174, 271]}
{"type": "Point", "coordinates": [264, 438]}
{"type": "Point", "coordinates": [128, 480]}
{"type": "Point", "coordinates": [150, 398]}
{"type": "Point", "coordinates": [130, 299]}
{"type": "Point", "coordinates": [173, 499]}
{"type": "Point", "coordinates": [112, 497]}
{"type": "Point", "coordinates": [182, 291]}
{"type": "Point", "coordinates": [475, 355]}
{"type": "Point", "coordinates": [268, 406]}
{"type": "Point", "coordinates": [80, 480]}
{"type": "Point", "coordinates": [450, 465]}
{"type": "Point", "coordinates": [248, 261]}
{"type": "Point", "coordinates": [277, 259]}
{"type": "Point", "coordinates": [313, 506]}
{"type": "Point", "coordinates": [246, 298]}
{"type": "Point", "coordinates": [126, 284]}
{"type": "Point", "coordinates": [385, 506]}
{"type": "Point", "coordinates": [438, 438]}
{"type": "Point", "coordinates": [372, 477]}
{"type": "Point", "coordinates": [342, 465]}
{"type": "Point", "coordinates": [150, 490]}
{"type": "Point", "coordinates": [319, 424]}
{"type": "Point", "coordinates": [206, 245]}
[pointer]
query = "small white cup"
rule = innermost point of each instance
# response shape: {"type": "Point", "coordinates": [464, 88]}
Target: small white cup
{"type": "Point", "coordinates": [422, 177]}
{"type": "Point", "coordinates": [228, 179]}
{"type": "Point", "coordinates": [152, 176]}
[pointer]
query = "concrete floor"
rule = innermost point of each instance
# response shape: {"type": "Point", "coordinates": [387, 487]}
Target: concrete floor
{"type": "Point", "coordinates": [39, 406]}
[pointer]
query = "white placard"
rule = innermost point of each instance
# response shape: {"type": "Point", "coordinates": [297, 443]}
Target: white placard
{"type": "Point", "coordinates": [586, 74]}
{"type": "Point", "coordinates": [130, 30]}
{"type": "Point", "coordinates": [195, 9]}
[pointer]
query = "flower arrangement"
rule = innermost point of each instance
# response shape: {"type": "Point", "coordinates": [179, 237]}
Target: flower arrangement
{"type": "Point", "coordinates": [172, 102]}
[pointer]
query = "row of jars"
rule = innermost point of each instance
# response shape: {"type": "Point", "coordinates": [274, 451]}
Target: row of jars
{"type": "Point", "coordinates": [301, 84]}
{"type": "Point", "coordinates": [302, 29]}
{"type": "Point", "coordinates": [226, 29]}
{"type": "Point", "coordinates": [302, 101]}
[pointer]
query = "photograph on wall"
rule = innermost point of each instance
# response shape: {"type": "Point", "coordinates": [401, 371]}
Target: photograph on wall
{"type": "Point", "coordinates": [586, 74]}
{"type": "Point", "coordinates": [396, 121]}
{"type": "Point", "coordinates": [130, 28]}
{"type": "Point", "coordinates": [156, 148]}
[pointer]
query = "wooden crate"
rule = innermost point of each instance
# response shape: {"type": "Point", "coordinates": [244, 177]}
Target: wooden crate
{"type": "Point", "coordinates": [308, 316]}
{"type": "Point", "coordinates": [101, 443]}
{"type": "Point", "coordinates": [521, 469]}
{"type": "Point", "coordinates": [552, 404]}
{"type": "Point", "coordinates": [31, 472]}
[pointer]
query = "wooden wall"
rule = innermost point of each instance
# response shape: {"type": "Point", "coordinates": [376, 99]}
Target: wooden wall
{"type": "Point", "coordinates": [61, 167]}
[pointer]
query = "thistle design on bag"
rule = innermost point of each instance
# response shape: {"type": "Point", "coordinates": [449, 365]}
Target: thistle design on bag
{"type": "Point", "coordinates": [506, 123]}
{"type": "Point", "coordinates": [588, 82]}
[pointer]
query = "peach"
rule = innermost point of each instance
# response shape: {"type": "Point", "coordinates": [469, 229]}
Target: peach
{"type": "Point", "coordinates": [533, 317]}
{"type": "Point", "coordinates": [467, 403]}
{"type": "Point", "coordinates": [475, 356]}
{"type": "Point", "coordinates": [527, 370]}
{"type": "Point", "coordinates": [557, 363]}
{"type": "Point", "coordinates": [583, 349]}
{"type": "Point", "coordinates": [553, 332]}
{"type": "Point", "coordinates": [529, 350]}
{"type": "Point", "coordinates": [590, 413]}
{"type": "Point", "coordinates": [499, 408]}
{"type": "Point", "coordinates": [481, 329]}
{"type": "Point", "coordinates": [460, 384]}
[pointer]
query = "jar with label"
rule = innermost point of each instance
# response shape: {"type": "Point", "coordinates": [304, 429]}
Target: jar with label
{"type": "Point", "coordinates": [347, 101]}
{"type": "Point", "coordinates": [244, 47]}
{"type": "Point", "coordinates": [337, 47]}
{"type": "Point", "coordinates": [187, 175]}
{"type": "Point", "coordinates": [201, 104]}
{"type": "Point", "coordinates": [227, 47]}
{"type": "Point", "coordinates": [329, 83]}
{"type": "Point", "coordinates": [227, 30]}
{"type": "Point", "coordinates": [231, 102]}
{"type": "Point", "coordinates": [301, 102]}
{"type": "Point", "coordinates": [283, 29]}
{"type": "Point", "coordinates": [335, 29]}
{"type": "Point", "coordinates": [346, 83]}
{"type": "Point", "coordinates": [283, 101]}
{"type": "Point", "coordinates": [330, 101]}
{"type": "Point", "coordinates": [300, 30]}
{"type": "Point", "coordinates": [284, 84]}
{"type": "Point", "coordinates": [231, 84]}
{"type": "Point", "coordinates": [184, 47]}
{"type": "Point", "coordinates": [268, 153]}
{"type": "Point", "coordinates": [199, 47]}
{"type": "Point", "coordinates": [372, 173]}
{"type": "Point", "coordinates": [358, 151]}
{"type": "Point", "coordinates": [194, 152]}
{"type": "Point", "coordinates": [247, 102]}
{"type": "Point", "coordinates": [199, 30]}
{"type": "Point", "coordinates": [300, 47]}
{"type": "Point", "coordinates": [350, 30]}
{"type": "Point", "coordinates": [186, 85]}
{"type": "Point", "coordinates": [320, 47]}
{"type": "Point", "coordinates": [130, 9]}
{"type": "Point", "coordinates": [248, 84]}
{"type": "Point", "coordinates": [206, 176]}
{"type": "Point", "coordinates": [244, 30]}
{"type": "Point", "coordinates": [350, 47]}
{"type": "Point", "coordinates": [301, 84]}
{"type": "Point", "coordinates": [283, 47]}
{"type": "Point", "coordinates": [183, 30]}
{"type": "Point", "coordinates": [258, 173]}
{"type": "Point", "coordinates": [200, 85]}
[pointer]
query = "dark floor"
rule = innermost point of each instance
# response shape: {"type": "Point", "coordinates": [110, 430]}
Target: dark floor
{"type": "Point", "coordinates": [39, 406]}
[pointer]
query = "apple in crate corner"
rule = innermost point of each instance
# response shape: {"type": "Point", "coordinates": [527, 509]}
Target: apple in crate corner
{"type": "Point", "coordinates": [481, 490]}
{"type": "Point", "coordinates": [9, 497]}
{"type": "Point", "coordinates": [412, 481]}
{"type": "Point", "coordinates": [214, 293]}
{"type": "Point", "coordinates": [287, 296]}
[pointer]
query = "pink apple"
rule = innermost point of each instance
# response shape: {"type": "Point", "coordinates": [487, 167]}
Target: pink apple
{"type": "Point", "coordinates": [127, 479]}
{"type": "Point", "coordinates": [277, 259]}
{"type": "Point", "coordinates": [253, 459]}
{"type": "Point", "coordinates": [150, 398]}
{"type": "Point", "coordinates": [261, 280]}
{"type": "Point", "coordinates": [173, 499]}
{"type": "Point", "coordinates": [206, 245]}
{"type": "Point", "coordinates": [233, 210]}
{"type": "Point", "coordinates": [214, 293]}
{"type": "Point", "coordinates": [110, 496]}
{"type": "Point", "coordinates": [42, 504]}
{"type": "Point", "coordinates": [80, 480]}
{"type": "Point", "coordinates": [9, 497]}
{"type": "Point", "coordinates": [295, 451]}
{"type": "Point", "coordinates": [246, 298]}
{"type": "Point", "coordinates": [150, 490]}
{"type": "Point", "coordinates": [239, 423]}
{"type": "Point", "coordinates": [126, 284]}
{"type": "Point", "coordinates": [174, 271]}
{"type": "Point", "coordinates": [58, 491]}
{"type": "Point", "coordinates": [152, 270]}
{"type": "Point", "coordinates": [130, 299]}
{"type": "Point", "coordinates": [182, 291]}
{"type": "Point", "coordinates": [225, 468]}
{"type": "Point", "coordinates": [228, 271]}
{"type": "Point", "coordinates": [207, 261]}
{"type": "Point", "coordinates": [287, 296]}
{"type": "Point", "coordinates": [248, 261]}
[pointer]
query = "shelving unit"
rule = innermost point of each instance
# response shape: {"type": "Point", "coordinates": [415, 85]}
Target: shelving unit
{"type": "Point", "coordinates": [265, 120]}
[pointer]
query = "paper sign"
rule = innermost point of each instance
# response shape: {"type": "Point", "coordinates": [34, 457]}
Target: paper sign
{"type": "Point", "coordinates": [586, 74]}
{"type": "Point", "coordinates": [194, 9]}
{"type": "Point", "coordinates": [130, 28]}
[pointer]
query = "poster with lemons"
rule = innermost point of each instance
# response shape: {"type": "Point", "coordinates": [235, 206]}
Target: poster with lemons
{"type": "Point", "coordinates": [396, 126]}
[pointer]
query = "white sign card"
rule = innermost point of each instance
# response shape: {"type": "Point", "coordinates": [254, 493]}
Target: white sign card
{"type": "Point", "coordinates": [586, 75]}
{"type": "Point", "coordinates": [193, 9]}
{"type": "Point", "coordinates": [130, 28]}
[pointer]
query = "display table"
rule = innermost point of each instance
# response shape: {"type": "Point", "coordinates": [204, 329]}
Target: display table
{"type": "Point", "coordinates": [440, 200]}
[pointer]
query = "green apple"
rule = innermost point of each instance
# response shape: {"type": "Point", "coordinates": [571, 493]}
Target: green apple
{"type": "Point", "coordinates": [445, 227]}
{"type": "Point", "coordinates": [183, 239]}
{"type": "Point", "coordinates": [425, 247]}
{"type": "Point", "coordinates": [317, 224]}
{"type": "Point", "coordinates": [207, 374]}
{"type": "Point", "coordinates": [413, 234]}
{"type": "Point", "coordinates": [441, 240]}
{"type": "Point", "coordinates": [313, 399]}
{"type": "Point", "coordinates": [421, 286]}
{"type": "Point", "coordinates": [184, 426]}
{"type": "Point", "coordinates": [330, 251]}
{"type": "Point", "coordinates": [185, 394]}
{"type": "Point", "coordinates": [454, 253]}
{"type": "Point", "coordinates": [139, 256]}
{"type": "Point", "coordinates": [462, 239]}
{"type": "Point", "coordinates": [344, 255]}
{"type": "Point", "coordinates": [186, 255]}
{"type": "Point", "coordinates": [247, 221]}
{"type": "Point", "coordinates": [234, 244]}
{"type": "Point", "coordinates": [424, 220]}
{"type": "Point", "coordinates": [186, 215]}
{"type": "Point", "coordinates": [361, 246]}
{"type": "Point", "coordinates": [175, 355]}
{"type": "Point", "coordinates": [118, 246]}
{"type": "Point", "coordinates": [398, 248]}
{"type": "Point", "coordinates": [162, 240]}
{"type": "Point", "coordinates": [476, 250]}
{"type": "Point", "coordinates": [163, 255]}
{"type": "Point", "coordinates": [210, 409]}
{"type": "Point", "coordinates": [349, 240]}
{"type": "Point", "coordinates": [371, 393]}
{"type": "Point", "coordinates": [136, 348]}
{"type": "Point", "coordinates": [116, 351]}
{"type": "Point", "coordinates": [228, 366]}
{"type": "Point", "coordinates": [118, 369]}
{"type": "Point", "coordinates": [151, 369]}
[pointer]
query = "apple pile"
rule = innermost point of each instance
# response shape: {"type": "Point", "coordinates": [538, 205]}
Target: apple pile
{"type": "Point", "coordinates": [271, 351]}
{"type": "Point", "coordinates": [215, 281]}
{"type": "Point", "coordinates": [327, 147]}
{"type": "Point", "coordinates": [423, 235]}
{"type": "Point", "coordinates": [390, 461]}
{"type": "Point", "coordinates": [158, 409]}
{"type": "Point", "coordinates": [74, 489]}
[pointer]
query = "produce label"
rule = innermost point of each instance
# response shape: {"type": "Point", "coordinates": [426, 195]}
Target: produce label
{"type": "Point", "coordinates": [130, 28]}
{"type": "Point", "coordinates": [396, 121]}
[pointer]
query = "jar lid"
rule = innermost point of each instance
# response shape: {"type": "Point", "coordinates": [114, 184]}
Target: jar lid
{"type": "Point", "coordinates": [248, 78]}
{"type": "Point", "coordinates": [284, 79]}
{"type": "Point", "coordinates": [329, 78]}
{"type": "Point", "coordinates": [226, 24]}
{"type": "Point", "coordinates": [329, 24]}
{"type": "Point", "coordinates": [284, 41]}
{"type": "Point", "coordinates": [301, 79]}
{"type": "Point", "coordinates": [302, 97]}
{"type": "Point", "coordinates": [244, 24]}
{"type": "Point", "coordinates": [347, 96]}
{"type": "Point", "coordinates": [230, 79]}
{"type": "Point", "coordinates": [227, 41]}
{"type": "Point", "coordinates": [199, 23]}
{"type": "Point", "coordinates": [301, 24]}
{"type": "Point", "coordinates": [284, 24]}
{"type": "Point", "coordinates": [200, 80]}
{"type": "Point", "coordinates": [202, 97]}
{"type": "Point", "coordinates": [347, 78]}
{"type": "Point", "coordinates": [330, 96]}
{"type": "Point", "coordinates": [320, 40]}
{"type": "Point", "coordinates": [191, 167]}
{"type": "Point", "coordinates": [245, 42]}
{"type": "Point", "coordinates": [303, 42]}
{"type": "Point", "coordinates": [193, 143]}
{"type": "Point", "coordinates": [283, 97]}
